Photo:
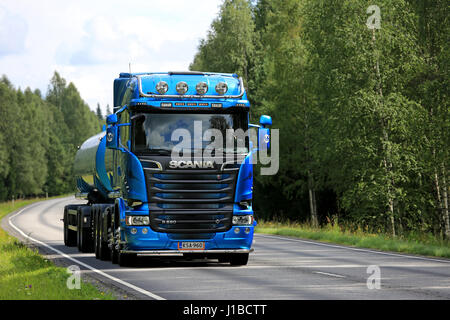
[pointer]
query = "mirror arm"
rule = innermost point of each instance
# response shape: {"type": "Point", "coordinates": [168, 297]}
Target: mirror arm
{"type": "Point", "coordinates": [121, 109]}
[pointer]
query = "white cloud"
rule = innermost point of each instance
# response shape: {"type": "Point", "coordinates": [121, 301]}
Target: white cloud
{"type": "Point", "coordinates": [91, 42]}
{"type": "Point", "coordinates": [13, 30]}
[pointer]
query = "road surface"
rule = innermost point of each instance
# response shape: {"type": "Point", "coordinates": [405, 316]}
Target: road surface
{"type": "Point", "coordinates": [279, 268]}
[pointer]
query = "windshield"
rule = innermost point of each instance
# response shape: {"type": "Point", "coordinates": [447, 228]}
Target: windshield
{"type": "Point", "coordinates": [159, 133]}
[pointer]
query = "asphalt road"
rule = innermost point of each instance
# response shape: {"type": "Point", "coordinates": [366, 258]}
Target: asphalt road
{"type": "Point", "coordinates": [279, 268]}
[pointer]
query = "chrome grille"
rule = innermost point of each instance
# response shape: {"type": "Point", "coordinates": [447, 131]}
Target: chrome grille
{"type": "Point", "coordinates": [191, 200]}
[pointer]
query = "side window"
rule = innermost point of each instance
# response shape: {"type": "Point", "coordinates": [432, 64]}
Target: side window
{"type": "Point", "coordinates": [124, 130]}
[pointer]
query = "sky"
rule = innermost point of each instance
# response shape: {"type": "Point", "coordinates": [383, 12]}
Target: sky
{"type": "Point", "coordinates": [90, 42]}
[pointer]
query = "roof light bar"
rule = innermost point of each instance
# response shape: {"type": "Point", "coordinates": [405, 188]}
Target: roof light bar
{"type": "Point", "coordinates": [147, 95]}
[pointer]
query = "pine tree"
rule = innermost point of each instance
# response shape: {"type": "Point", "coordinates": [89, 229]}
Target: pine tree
{"type": "Point", "coordinates": [99, 112]}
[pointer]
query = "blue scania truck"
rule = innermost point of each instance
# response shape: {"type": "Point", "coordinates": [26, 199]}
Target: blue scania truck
{"type": "Point", "coordinates": [140, 200]}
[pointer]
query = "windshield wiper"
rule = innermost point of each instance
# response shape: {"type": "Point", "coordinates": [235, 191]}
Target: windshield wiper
{"type": "Point", "coordinates": [160, 151]}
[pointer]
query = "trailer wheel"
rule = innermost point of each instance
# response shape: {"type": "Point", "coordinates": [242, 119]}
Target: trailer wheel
{"type": "Point", "coordinates": [85, 241]}
{"type": "Point", "coordinates": [103, 252]}
{"type": "Point", "coordinates": [96, 232]}
{"type": "Point", "coordinates": [238, 259]}
{"type": "Point", "coordinates": [126, 259]}
{"type": "Point", "coordinates": [70, 236]}
{"type": "Point", "coordinates": [79, 231]}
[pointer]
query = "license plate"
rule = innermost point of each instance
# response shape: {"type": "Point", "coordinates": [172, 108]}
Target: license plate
{"type": "Point", "coordinates": [191, 245]}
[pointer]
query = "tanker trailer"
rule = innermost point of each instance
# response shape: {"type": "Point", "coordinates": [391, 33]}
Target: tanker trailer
{"type": "Point", "coordinates": [93, 171]}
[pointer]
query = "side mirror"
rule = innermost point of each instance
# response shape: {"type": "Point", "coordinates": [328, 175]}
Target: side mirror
{"type": "Point", "coordinates": [263, 138]}
{"type": "Point", "coordinates": [112, 137]}
{"type": "Point", "coordinates": [265, 121]}
{"type": "Point", "coordinates": [264, 132]}
{"type": "Point", "coordinates": [111, 119]}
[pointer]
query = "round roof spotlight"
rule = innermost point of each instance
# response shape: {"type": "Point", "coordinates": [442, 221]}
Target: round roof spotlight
{"type": "Point", "coordinates": [201, 88]}
{"type": "Point", "coordinates": [221, 88]}
{"type": "Point", "coordinates": [182, 87]}
{"type": "Point", "coordinates": [162, 87]}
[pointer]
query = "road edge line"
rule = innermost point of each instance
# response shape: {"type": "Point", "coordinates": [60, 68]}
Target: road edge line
{"type": "Point", "coordinates": [129, 285]}
{"type": "Point", "coordinates": [351, 248]}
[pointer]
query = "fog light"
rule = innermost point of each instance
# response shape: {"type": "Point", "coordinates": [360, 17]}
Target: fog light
{"type": "Point", "coordinates": [145, 231]}
{"type": "Point", "coordinates": [247, 230]}
{"type": "Point", "coordinates": [237, 230]}
{"type": "Point", "coordinates": [182, 87]}
{"type": "Point", "coordinates": [221, 88]}
{"type": "Point", "coordinates": [162, 87]}
{"type": "Point", "coordinates": [133, 231]}
{"type": "Point", "coordinates": [201, 88]}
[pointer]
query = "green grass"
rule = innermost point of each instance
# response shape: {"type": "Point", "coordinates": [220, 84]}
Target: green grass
{"type": "Point", "coordinates": [26, 275]}
{"type": "Point", "coordinates": [414, 244]}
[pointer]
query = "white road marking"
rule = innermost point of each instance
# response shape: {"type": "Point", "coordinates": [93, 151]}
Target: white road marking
{"type": "Point", "coordinates": [354, 249]}
{"type": "Point", "coordinates": [329, 274]}
{"type": "Point", "coordinates": [129, 285]}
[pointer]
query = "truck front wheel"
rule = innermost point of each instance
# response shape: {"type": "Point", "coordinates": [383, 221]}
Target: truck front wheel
{"type": "Point", "coordinates": [114, 251]}
{"type": "Point", "coordinates": [224, 258]}
{"type": "Point", "coordinates": [238, 259]}
{"type": "Point", "coordinates": [126, 259]}
{"type": "Point", "coordinates": [103, 250]}
{"type": "Point", "coordinates": [96, 231]}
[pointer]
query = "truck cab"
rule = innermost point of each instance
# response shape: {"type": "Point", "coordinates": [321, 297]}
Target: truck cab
{"type": "Point", "coordinates": [173, 172]}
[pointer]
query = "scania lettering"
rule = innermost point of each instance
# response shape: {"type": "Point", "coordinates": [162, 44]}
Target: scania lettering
{"type": "Point", "coordinates": [191, 164]}
{"type": "Point", "coordinates": [142, 201]}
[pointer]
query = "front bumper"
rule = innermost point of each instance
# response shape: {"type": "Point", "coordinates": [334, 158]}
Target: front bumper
{"type": "Point", "coordinates": [150, 241]}
{"type": "Point", "coordinates": [181, 252]}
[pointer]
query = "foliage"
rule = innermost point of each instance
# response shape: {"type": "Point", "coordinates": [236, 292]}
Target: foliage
{"type": "Point", "coordinates": [25, 275]}
{"type": "Point", "coordinates": [39, 138]}
{"type": "Point", "coordinates": [362, 113]}
{"type": "Point", "coordinates": [409, 243]}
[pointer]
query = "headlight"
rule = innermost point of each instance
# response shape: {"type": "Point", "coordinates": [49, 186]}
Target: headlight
{"type": "Point", "coordinates": [201, 88]}
{"type": "Point", "coordinates": [221, 88]}
{"type": "Point", "coordinates": [137, 220]}
{"type": "Point", "coordinates": [243, 220]}
{"type": "Point", "coordinates": [182, 87]}
{"type": "Point", "coordinates": [162, 87]}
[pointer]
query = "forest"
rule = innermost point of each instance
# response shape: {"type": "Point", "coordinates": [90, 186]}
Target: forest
{"type": "Point", "coordinates": [360, 93]}
{"type": "Point", "coordinates": [39, 137]}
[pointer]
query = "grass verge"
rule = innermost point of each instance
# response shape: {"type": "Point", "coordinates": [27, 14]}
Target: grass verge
{"type": "Point", "coordinates": [26, 275]}
{"type": "Point", "coordinates": [426, 246]}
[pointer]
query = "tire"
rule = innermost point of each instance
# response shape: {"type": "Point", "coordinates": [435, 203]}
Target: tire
{"type": "Point", "coordinates": [95, 210]}
{"type": "Point", "coordinates": [126, 259]}
{"type": "Point", "coordinates": [114, 254]}
{"type": "Point", "coordinates": [103, 250]}
{"type": "Point", "coordinates": [85, 241]}
{"type": "Point", "coordinates": [239, 259]}
{"type": "Point", "coordinates": [223, 258]}
{"type": "Point", "coordinates": [79, 231]}
{"type": "Point", "coordinates": [70, 236]}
